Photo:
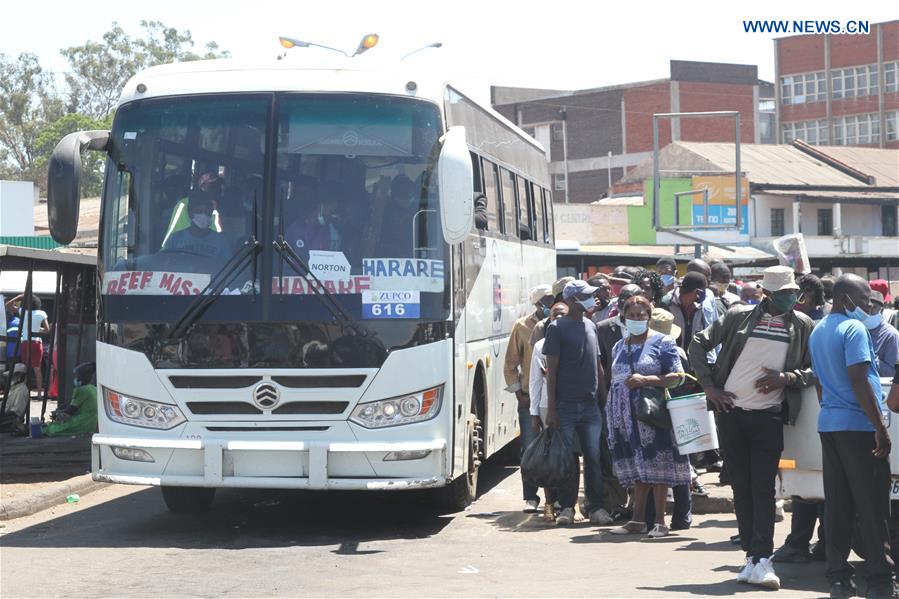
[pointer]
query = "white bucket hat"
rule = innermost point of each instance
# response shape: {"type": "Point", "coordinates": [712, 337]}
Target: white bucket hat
{"type": "Point", "coordinates": [539, 292]}
{"type": "Point", "coordinates": [778, 278]}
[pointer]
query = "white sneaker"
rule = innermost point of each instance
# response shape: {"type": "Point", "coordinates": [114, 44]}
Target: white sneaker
{"type": "Point", "coordinates": [763, 575]}
{"type": "Point", "coordinates": [531, 506]}
{"type": "Point", "coordinates": [601, 517]}
{"type": "Point", "coordinates": [746, 572]}
{"type": "Point", "coordinates": [779, 510]}
{"type": "Point", "coordinates": [566, 517]}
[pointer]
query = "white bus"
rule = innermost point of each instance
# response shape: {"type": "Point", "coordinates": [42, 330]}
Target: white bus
{"type": "Point", "coordinates": [293, 291]}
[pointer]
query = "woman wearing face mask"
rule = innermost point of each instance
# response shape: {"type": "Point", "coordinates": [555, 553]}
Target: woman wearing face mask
{"type": "Point", "coordinates": [643, 456]}
{"type": "Point", "coordinates": [80, 415]}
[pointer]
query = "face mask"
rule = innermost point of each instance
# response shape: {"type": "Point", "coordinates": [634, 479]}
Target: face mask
{"type": "Point", "coordinates": [588, 304]}
{"type": "Point", "coordinates": [875, 320]}
{"type": "Point", "coordinates": [856, 313]}
{"type": "Point", "coordinates": [636, 327]}
{"type": "Point", "coordinates": [76, 383]}
{"type": "Point", "coordinates": [700, 296]}
{"type": "Point", "coordinates": [667, 280]}
{"type": "Point", "coordinates": [544, 309]}
{"type": "Point", "coordinates": [784, 301]}
{"type": "Point", "coordinates": [201, 220]}
{"type": "Point", "coordinates": [721, 287]}
{"type": "Point", "coordinates": [752, 302]}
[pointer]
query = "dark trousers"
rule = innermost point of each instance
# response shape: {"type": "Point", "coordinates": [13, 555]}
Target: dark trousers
{"type": "Point", "coordinates": [752, 443]}
{"type": "Point", "coordinates": [528, 489]}
{"type": "Point", "coordinates": [681, 517]}
{"type": "Point", "coordinates": [857, 488]}
{"type": "Point", "coordinates": [802, 523]}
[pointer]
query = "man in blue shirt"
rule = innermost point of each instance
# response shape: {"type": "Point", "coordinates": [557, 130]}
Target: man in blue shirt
{"type": "Point", "coordinates": [855, 444]}
{"type": "Point", "coordinates": [575, 382]}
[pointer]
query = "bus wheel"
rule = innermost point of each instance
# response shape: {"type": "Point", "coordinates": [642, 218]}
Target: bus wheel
{"type": "Point", "coordinates": [183, 500]}
{"type": "Point", "coordinates": [462, 491]}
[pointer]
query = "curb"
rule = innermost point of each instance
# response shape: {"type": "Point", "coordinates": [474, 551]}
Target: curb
{"type": "Point", "coordinates": [47, 498]}
{"type": "Point", "coordinates": [712, 505]}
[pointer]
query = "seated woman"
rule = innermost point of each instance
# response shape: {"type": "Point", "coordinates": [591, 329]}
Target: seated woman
{"type": "Point", "coordinates": [80, 415]}
{"type": "Point", "coordinates": [643, 456]}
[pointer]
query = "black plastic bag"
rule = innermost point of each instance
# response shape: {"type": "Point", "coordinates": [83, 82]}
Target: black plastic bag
{"type": "Point", "coordinates": [548, 460]}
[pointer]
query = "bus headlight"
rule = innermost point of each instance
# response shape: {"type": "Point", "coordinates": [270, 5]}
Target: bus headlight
{"type": "Point", "coordinates": [141, 412]}
{"type": "Point", "coordinates": [406, 409]}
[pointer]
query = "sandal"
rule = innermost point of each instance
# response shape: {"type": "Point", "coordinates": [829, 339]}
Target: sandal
{"type": "Point", "coordinates": [658, 531]}
{"type": "Point", "coordinates": [631, 528]}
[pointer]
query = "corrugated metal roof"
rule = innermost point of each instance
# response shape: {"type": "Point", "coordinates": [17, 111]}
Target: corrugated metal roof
{"type": "Point", "coordinates": [882, 164]}
{"type": "Point", "coordinates": [88, 222]}
{"type": "Point", "coordinates": [773, 164]}
{"type": "Point", "coordinates": [739, 253]}
{"type": "Point", "coordinates": [766, 164]}
{"type": "Point", "coordinates": [862, 197]}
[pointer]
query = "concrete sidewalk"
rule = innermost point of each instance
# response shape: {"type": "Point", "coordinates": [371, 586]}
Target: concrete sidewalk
{"type": "Point", "coordinates": [36, 474]}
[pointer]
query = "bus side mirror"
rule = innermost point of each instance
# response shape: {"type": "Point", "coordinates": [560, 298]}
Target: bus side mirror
{"type": "Point", "coordinates": [456, 179]}
{"type": "Point", "coordinates": [64, 181]}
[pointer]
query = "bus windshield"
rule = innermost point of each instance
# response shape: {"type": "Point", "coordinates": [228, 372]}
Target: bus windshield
{"type": "Point", "coordinates": [339, 190]}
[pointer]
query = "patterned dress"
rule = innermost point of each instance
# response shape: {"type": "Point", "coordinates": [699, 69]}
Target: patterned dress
{"type": "Point", "coordinates": [641, 452]}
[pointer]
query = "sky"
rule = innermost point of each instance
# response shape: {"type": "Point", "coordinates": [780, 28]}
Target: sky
{"type": "Point", "coordinates": [556, 44]}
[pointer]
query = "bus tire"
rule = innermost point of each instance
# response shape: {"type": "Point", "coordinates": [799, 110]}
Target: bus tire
{"type": "Point", "coordinates": [186, 500]}
{"type": "Point", "coordinates": [459, 494]}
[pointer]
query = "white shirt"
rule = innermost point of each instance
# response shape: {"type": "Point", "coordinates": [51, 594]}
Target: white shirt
{"type": "Point", "coordinates": [37, 319]}
{"type": "Point", "coordinates": [537, 380]}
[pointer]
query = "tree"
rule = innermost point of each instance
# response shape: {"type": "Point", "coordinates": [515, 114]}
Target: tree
{"type": "Point", "coordinates": [99, 70]}
{"type": "Point", "coordinates": [28, 102]}
{"type": "Point", "coordinates": [92, 162]}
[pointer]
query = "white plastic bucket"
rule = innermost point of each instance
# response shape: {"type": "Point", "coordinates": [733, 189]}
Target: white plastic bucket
{"type": "Point", "coordinates": [693, 424]}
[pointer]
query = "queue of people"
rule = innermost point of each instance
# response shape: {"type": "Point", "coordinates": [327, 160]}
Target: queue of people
{"type": "Point", "coordinates": [590, 353]}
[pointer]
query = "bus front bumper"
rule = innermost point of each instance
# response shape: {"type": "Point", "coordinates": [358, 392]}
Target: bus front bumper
{"type": "Point", "coordinates": [306, 463]}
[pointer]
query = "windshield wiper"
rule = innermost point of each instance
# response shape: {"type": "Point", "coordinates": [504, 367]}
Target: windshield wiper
{"type": "Point", "coordinates": [214, 289]}
{"type": "Point", "coordinates": [301, 267]}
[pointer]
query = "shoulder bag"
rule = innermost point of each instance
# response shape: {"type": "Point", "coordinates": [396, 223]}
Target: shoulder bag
{"type": "Point", "coordinates": [651, 401]}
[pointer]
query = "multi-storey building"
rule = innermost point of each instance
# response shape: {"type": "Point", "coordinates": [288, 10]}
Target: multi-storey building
{"type": "Point", "coordinates": [839, 89]}
{"type": "Point", "coordinates": [594, 136]}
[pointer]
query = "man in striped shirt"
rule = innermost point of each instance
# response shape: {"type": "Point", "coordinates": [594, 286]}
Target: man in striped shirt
{"type": "Point", "coordinates": [764, 359]}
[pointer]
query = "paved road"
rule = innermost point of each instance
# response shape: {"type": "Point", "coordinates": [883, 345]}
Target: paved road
{"type": "Point", "coordinates": [121, 541]}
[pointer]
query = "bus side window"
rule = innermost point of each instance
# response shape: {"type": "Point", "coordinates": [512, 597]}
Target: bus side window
{"type": "Point", "coordinates": [524, 212]}
{"type": "Point", "coordinates": [510, 211]}
{"type": "Point", "coordinates": [550, 228]}
{"type": "Point", "coordinates": [536, 198]}
{"type": "Point", "coordinates": [491, 190]}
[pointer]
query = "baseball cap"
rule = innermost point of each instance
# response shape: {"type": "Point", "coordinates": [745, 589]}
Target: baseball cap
{"type": "Point", "coordinates": [559, 285]}
{"type": "Point", "coordinates": [578, 288]}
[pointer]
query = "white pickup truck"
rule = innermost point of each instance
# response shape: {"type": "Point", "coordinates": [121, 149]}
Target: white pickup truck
{"type": "Point", "coordinates": [800, 464]}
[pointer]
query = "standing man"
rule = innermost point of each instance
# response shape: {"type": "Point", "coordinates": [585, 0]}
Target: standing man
{"type": "Point", "coordinates": [685, 303]}
{"type": "Point", "coordinates": [763, 363]}
{"type": "Point", "coordinates": [666, 266]}
{"type": "Point", "coordinates": [604, 303]}
{"type": "Point", "coordinates": [724, 299]}
{"type": "Point", "coordinates": [516, 371]}
{"type": "Point", "coordinates": [855, 444]}
{"type": "Point", "coordinates": [575, 383]}
{"type": "Point", "coordinates": [885, 337]}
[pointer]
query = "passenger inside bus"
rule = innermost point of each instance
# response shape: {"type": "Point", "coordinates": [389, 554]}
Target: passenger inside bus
{"type": "Point", "coordinates": [310, 231]}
